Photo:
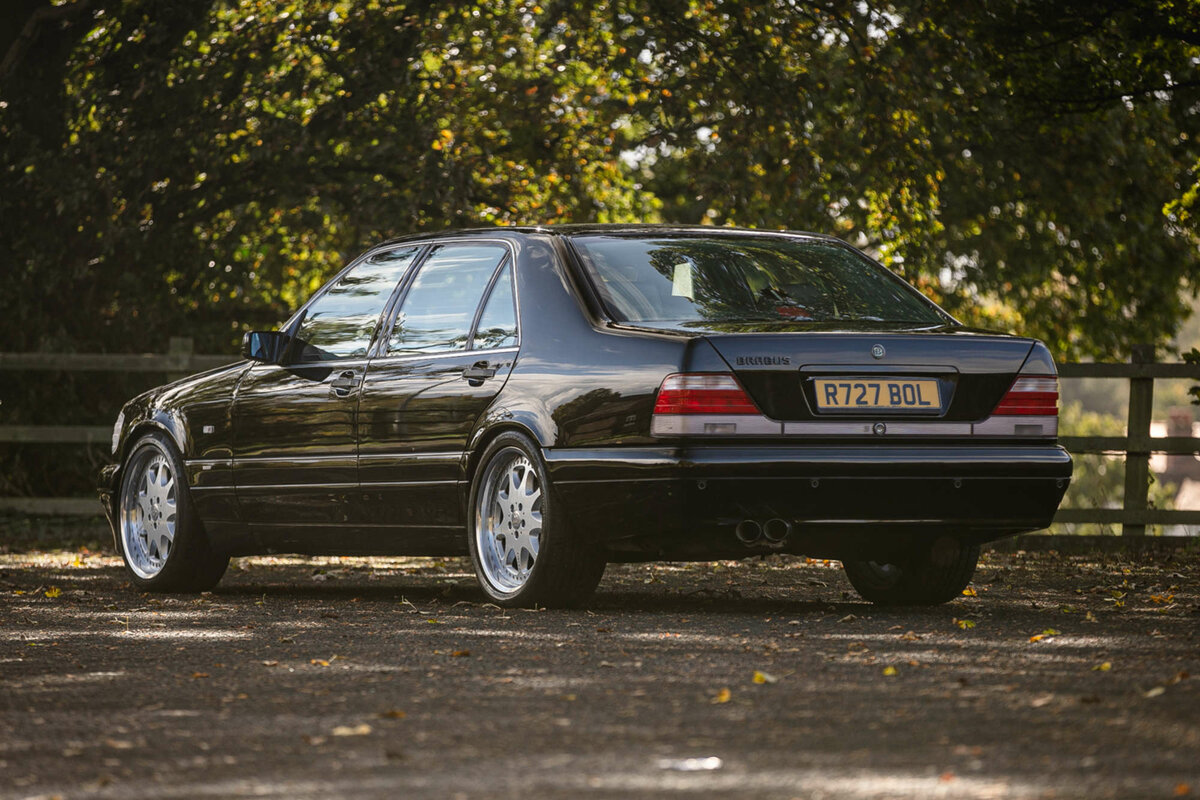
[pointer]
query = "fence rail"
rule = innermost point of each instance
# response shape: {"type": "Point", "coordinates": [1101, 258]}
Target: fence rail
{"type": "Point", "coordinates": [1136, 446]}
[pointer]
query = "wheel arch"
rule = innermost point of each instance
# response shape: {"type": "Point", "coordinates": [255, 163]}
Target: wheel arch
{"type": "Point", "coordinates": [485, 436]}
{"type": "Point", "coordinates": [161, 424]}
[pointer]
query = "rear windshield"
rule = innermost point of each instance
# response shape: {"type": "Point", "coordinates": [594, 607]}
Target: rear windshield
{"type": "Point", "coordinates": [665, 281]}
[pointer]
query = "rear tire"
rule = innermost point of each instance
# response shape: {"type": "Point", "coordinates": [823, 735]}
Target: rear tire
{"type": "Point", "coordinates": [523, 553]}
{"type": "Point", "coordinates": [161, 539]}
{"type": "Point", "coordinates": [930, 575]}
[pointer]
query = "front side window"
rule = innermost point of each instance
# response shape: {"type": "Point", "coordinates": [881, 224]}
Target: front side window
{"type": "Point", "coordinates": [682, 281]}
{"type": "Point", "coordinates": [440, 306]}
{"type": "Point", "coordinates": [341, 322]}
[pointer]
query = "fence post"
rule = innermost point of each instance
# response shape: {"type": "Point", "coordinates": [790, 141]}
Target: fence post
{"type": "Point", "coordinates": [1137, 455]}
{"type": "Point", "coordinates": [180, 348]}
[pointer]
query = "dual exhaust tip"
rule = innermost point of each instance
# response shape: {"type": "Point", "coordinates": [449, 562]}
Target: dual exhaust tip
{"type": "Point", "coordinates": [773, 531]}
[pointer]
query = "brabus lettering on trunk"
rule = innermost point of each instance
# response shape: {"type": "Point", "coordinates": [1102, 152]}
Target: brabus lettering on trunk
{"type": "Point", "coordinates": [763, 361]}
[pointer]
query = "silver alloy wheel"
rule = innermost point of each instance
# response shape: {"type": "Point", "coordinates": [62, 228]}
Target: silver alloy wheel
{"type": "Point", "coordinates": [149, 512]}
{"type": "Point", "coordinates": [508, 520]}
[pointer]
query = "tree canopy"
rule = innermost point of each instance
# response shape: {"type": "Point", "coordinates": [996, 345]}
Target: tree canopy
{"type": "Point", "coordinates": [200, 167]}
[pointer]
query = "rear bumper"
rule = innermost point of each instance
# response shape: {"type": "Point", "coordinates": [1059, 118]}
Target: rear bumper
{"type": "Point", "coordinates": [838, 500]}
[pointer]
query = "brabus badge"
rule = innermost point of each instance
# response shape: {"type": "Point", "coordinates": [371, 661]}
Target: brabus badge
{"type": "Point", "coordinates": [878, 351]}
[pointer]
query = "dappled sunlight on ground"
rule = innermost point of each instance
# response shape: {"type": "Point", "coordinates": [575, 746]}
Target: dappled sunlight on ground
{"type": "Point", "coordinates": [320, 677]}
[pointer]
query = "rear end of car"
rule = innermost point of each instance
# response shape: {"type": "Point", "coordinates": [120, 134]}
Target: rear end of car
{"type": "Point", "coordinates": [822, 407]}
{"type": "Point", "coordinates": [813, 445]}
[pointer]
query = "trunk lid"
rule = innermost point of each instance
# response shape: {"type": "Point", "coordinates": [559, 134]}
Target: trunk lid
{"type": "Point", "coordinates": [947, 374]}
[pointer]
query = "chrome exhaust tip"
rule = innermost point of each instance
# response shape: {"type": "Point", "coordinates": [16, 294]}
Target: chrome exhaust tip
{"type": "Point", "coordinates": [748, 531]}
{"type": "Point", "coordinates": [776, 530]}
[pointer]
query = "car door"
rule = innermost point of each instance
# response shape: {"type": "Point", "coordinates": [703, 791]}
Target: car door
{"type": "Point", "coordinates": [295, 451]}
{"type": "Point", "coordinates": [450, 350]}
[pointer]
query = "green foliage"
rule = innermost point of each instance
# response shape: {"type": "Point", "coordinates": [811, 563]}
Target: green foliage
{"type": "Point", "coordinates": [204, 169]}
{"type": "Point", "coordinates": [1193, 357]}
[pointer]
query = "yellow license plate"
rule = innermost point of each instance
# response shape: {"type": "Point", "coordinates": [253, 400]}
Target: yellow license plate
{"type": "Point", "coordinates": [872, 394]}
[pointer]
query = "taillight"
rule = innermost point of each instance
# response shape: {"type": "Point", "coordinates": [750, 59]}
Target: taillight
{"type": "Point", "coordinates": [703, 393]}
{"type": "Point", "coordinates": [1030, 396]}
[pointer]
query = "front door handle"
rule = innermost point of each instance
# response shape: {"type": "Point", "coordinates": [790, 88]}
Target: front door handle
{"type": "Point", "coordinates": [478, 372]}
{"type": "Point", "coordinates": [345, 383]}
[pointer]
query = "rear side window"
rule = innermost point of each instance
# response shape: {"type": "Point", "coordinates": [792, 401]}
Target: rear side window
{"type": "Point", "coordinates": [498, 324]}
{"type": "Point", "coordinates": [341, 322]}
{"type": "Point", "coordinates": [439, 307]}
{"type": "Point", "coordinates": [675, 280]}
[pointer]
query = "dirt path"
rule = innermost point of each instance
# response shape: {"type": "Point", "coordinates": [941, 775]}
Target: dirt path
{"type": "Point", "coordinates": [297, 678]}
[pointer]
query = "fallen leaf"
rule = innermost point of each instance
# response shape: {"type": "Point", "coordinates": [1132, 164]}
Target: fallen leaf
{"type": "Point", "coordinates": [890, 671]}
{"type": "Point", "coordinates": [199, 675]}
{"type": "Point", "coordinates": [393, 713]}
{"type": "Point", "coordinates": [965, 624]}
{"type": "Point", "coordinates": [1155, 692]}
{"type": "Point", "coordinates": [1182, 675]}
{"type": "Point", "coordinates": [318, 662]}
{"type": "Point", "coordinates": [270, 663]}
{"type": "Point", "coordinates": [53, 592]}
{"type": "Point", "coordinates": [970, 592]}
{"type": "Point", "coordinates": [356, 730]}
{"type": "Point", "coordinates": [910, 637]}
{"type": "Point", "coordinates": [460, 654]}
{"type": "Point", "coordinates": [764, 677]}
{"type": "Point", "coordinates": [1182, 789]}
{"type": "Point", "coordinates": [691, 764]}
{"type": "Point", "coordinates": [1043, 700]}
{"type": "Point", "coordinates": [1046, 634]}
{"type": "Point", "coordinates": [723, 696]}
{"type": "Point", "coordinates": [1103, 667]}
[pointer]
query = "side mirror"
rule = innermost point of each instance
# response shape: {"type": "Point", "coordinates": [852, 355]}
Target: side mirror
{"type": "Point", "coordinates": [264, 346]}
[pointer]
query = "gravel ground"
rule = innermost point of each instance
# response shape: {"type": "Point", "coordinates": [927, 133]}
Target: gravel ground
{"type": "Point", "coordinates": [1054, 676]}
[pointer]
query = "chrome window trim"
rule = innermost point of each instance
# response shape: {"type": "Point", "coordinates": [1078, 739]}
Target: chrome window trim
{"type": "Point", "coordinates": [447, 354]}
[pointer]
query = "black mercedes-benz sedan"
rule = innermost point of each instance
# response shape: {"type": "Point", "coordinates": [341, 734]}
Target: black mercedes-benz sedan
{"type": "Point", "coordinates": [550, 399]}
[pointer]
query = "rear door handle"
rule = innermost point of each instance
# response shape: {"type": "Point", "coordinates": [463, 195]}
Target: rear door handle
{"type": "Point", "coordinates": [345, 383]}
{"type": "Point", "coordinates": [478, 372]}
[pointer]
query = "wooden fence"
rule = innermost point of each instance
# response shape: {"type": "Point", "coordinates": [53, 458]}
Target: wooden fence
{"type": "Point", "coordinates": [1136, 446]}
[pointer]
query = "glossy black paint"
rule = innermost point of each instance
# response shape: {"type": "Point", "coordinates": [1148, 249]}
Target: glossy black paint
{"type": "Point", "coordinates": [375, 455]}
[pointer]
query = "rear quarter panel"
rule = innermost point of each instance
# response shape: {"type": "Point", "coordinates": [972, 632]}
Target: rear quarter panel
{"type": "Point", "coordinates": [576, 381]}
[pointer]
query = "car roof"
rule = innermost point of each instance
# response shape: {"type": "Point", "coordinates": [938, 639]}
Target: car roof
{"type": "Point", "coordinates": [618, 229]}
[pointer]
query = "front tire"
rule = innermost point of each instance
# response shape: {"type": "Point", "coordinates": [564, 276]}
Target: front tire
{"type": "Point", "coordinates": [162, 540]}
{"type": "Point", "coordinates": [929, 575]}
{"type": "Point", "coordinates": [523, 553]}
